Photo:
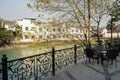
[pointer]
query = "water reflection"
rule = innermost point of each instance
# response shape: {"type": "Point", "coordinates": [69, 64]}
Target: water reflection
{"type": "Point", "coordinates": [21, 52]}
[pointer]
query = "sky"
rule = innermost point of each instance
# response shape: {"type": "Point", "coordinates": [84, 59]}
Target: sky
{"type": "Point", "coordinates": [15, 9]}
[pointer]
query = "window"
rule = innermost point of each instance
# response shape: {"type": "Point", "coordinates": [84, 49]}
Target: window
{"type": "Point", "coordinates": [76, 30]}
{"type": "Point", "coordinates": [26, 36]}
{"type": "Point", "coordinates": [33, 36]}
{"type": "Point", "coordinates": [54, 36]}
{"type": "Point", "coordinates": [33, 28]}
{"type": "Point", "coordinates": [40, 36]}
{"type": "Point", "coordinates": [59, 36]}
{"type": "Point", "coordinates": [53, 29]}
{"type": "Point", "coordinates": [11, 27]}
{"type": "Point", "coordinates": [59, 29]}
{"type": "Point", "coordinates": [44, 33]}
{"type": "Point", "coordinates": [48, 37]}
{"type": "Point", "coordinates": [63, 30]}
{"type": "Point", "coordinates": [47, 29]}
{"type": "Point", "coordinates": [64, 36]}
{"type": "Point", "coordinates": [26, 28]}
{"type": "Point", "coordinates": [40, 29]}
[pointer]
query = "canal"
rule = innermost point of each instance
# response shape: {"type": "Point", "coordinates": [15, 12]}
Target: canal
{"type": "Point", "coordinates": [24, 52]}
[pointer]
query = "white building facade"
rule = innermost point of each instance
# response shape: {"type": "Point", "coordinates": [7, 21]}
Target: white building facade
{"type": "Point", "coordinates": [107, 33]}
{"type": "Point", "coordinates": [48, 31]}
{"type": "Point", "coordinates": [30, 32]}
{"type": "Point", "coordinates": [9, 25]}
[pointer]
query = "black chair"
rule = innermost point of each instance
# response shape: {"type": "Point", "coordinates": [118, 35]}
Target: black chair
{"type": "Point", "coordinates": [90, 54]}
{"type": "Point", "coordinates": [111, 56]}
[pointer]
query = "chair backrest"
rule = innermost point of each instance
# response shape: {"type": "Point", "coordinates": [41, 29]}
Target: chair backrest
{"type": "Point", "coordinates": [89, 52]}
{"type": "Point", "coordinates": [112, 54]}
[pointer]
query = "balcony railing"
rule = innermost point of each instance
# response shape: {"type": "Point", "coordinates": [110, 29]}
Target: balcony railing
{"type": "Point", "coordinates": [37, 67]}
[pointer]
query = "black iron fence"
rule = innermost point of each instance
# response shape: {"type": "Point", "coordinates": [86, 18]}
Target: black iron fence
{"type": "Point", "coordinates": [37, 67]}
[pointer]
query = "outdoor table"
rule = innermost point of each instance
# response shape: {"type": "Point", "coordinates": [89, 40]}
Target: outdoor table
{"type": "Point", "coordinates": [102, 54]}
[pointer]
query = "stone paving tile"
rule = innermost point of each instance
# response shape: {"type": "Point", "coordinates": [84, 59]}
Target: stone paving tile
{"type": "Point", "coordinates": [59, 76]}
{"type": "Point", "coordinates": [89, 71]}
{"type": "Point", "coordinates": [82, 72]}
{"type": "Point", "coordinates": [116, 77]}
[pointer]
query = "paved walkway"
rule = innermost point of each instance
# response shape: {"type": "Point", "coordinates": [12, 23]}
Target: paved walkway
{"type": "Point", "coordinates": [89, 71]}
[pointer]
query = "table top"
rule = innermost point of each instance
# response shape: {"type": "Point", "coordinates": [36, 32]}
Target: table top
{"type": "Point", "coordinates": [102, 51]}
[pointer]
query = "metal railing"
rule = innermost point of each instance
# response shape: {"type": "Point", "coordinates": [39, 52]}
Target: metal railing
{"type": "Point", "coordinates": [37, 67]}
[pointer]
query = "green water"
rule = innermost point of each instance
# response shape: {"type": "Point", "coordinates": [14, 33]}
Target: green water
{"type": "Point", "coordinates": [20, 52]}
{"type": "Point", "coordinates": [24, 52]}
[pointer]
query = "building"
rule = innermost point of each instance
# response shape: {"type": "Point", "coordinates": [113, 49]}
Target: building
{"type": "Point", "coordinates": [9, 25]}
{"type": "Point", "coordinates": [33, 30]}
{"type": "Point", "coordinates": [30, 31]}
{"type": "Point", "coordinates": [107, 33]}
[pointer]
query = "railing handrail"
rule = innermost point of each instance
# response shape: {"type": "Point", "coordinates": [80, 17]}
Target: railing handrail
{"type": "Point", "coordinates": [51, 61]}
{"type": "Point", "coordinates": [28, 56]}
{"type": "Point", "coordinates": [64, 49]}
{"type": "Point", "coordinates": [38, 54]}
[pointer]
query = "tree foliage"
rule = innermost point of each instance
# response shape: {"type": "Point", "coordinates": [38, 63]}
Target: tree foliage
{"type": "Point", "coordinates": [5, 35]}
{"type": "Point", "coordinates": [114, 12]}
{"type": "Point", "coordinates": [74, 11]}
{"type": "Point", "coordinates": [98, 14]}
{"type": "Point", "coordinates": [69, 10]}
{"type": "Point", "coordinates": [18, 32]}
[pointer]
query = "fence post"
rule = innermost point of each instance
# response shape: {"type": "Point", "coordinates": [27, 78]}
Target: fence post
{"type": "Point", "coordinates": [53, 61]}
{"type": "Point", "coordinates": [4, 68]}
{"type": "Point", "coordinates": [75, 54]}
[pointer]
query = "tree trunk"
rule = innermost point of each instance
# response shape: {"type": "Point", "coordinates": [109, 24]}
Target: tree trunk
{"type": "Point", "coordinates": [88, 21]}
{"type": "Point", "coordinates": [98, 36]}
{"type": "Point", "coordinates": [111, 30]}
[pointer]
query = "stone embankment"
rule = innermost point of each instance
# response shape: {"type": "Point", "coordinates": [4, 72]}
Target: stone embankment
{"type": "Point", "coordinates": [13, 46]}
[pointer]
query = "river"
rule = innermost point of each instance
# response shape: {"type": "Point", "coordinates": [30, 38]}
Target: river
{"type": "Point", "coordinates": [24, 52]}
